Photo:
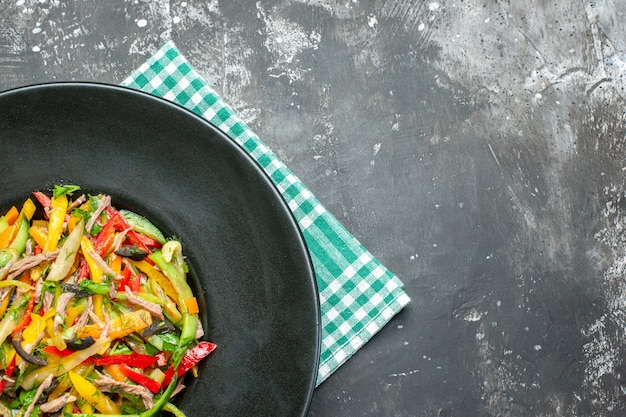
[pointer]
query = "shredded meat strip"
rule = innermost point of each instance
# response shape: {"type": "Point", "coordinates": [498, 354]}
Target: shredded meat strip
{"type": "Point", "coordinates": [117, 242]}
{"type": "Point", "coordinates": [4, 293]}
{"type": "Point", "coordinates": [38, 288]}
{"type": "Point", "coordinates": [44, 386]}
{"type": "Point", "coordinates": [104, 203]}
{"type": "Point", "coordinates": [199, 331]}
{"type": "Point", "coordinates": [107, 384]}
{"type": "Point", "coordinates": [83, 319]}
{"type": "Point", "coordinates": [153, 308]}
{"type": "Point", "coordinates": [62, 303]}
{"type": "Point", "coordinates": [48, 298]}
{"type": "Point", "coordinates": [29, 248]}
{"type": "Point", "coordinates": [96, 319]}
{"type": "Point", "coordinates": [103, 265]}
{"type": "Point", "coordinates": [9, 382]}
{"type": "Point", "coordinates": [178, 388]}
{"type": "Point", "coordinates": [28, 348]}
{"type": "Point", "coordinates": [80, 200]}
{"type": "Point", "coordinates": [57, 403]}
{"type": "Point", "coordinates": [107, 324]}
{"type": "Point", "coordinates": [30, 261]}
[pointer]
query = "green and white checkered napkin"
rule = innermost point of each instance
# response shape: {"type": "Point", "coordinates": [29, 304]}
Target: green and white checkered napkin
{"type": "Point", "coordinates": [358, 295]}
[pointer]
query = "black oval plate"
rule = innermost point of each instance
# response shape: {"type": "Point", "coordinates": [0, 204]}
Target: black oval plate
{"type": "Point", "coordinates": [248, 260]}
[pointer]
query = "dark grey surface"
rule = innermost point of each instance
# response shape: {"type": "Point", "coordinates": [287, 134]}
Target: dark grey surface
{"type": "Point", "coordinates": [475, 147]}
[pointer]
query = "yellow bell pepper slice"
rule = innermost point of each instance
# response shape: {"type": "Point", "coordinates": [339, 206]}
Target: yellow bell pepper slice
{"type": "Point", "coordinates": [39, 235]}
{"type": "Point", "coordinates": [169, 306]}
{"type": "Point", "coordinates": [93, 395]}
{"type": "Point", "coordinates": [9, 355]}
{"type": "Point", "coordinates": [114, 372]}
{"type": "Point", "coordinates": [161, 279]}
{"type": "Point", "coordinates": [115, 262]}
{"type": "Point", "coordinates": [58, 207]}
{"type": "Point", "coordinates": [36, 327]}
{"type": "Point", "coordinates": [66, 364]}
{"type": "Point", "coordinates": [64, 382]}
{"type": "Point", "coordinates": [40, 223]}
{"type": "Point", "coordinates": [86, 408]}
{"type": "Point", "coordinates": [12, 215]}
{"type": "Point", "coordinates": [51, 333]}
{"type": "Point", "coordinates": [96, 274]}
{"type": "Point", "coordinates": [7, 236]}
{"type": "Point", "coordinates": [94, 270]}
{"type": "Point", "coordinates": [121, 326]}
{"type": "Point", "coordinates": [192, 305]}
{"type": "Point", "coordinates": [72, 312]}
{"type": "Point", "coordinates": [72, 222]}
{"type": "Point", "coordinates": [28, 209]}
{"type": "Point", "coordinates": [56, 338]}
{"type": "Point", "coordinates": [37, 271]}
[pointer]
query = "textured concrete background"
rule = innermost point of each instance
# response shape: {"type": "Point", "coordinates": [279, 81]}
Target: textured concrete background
{"type": "Point", "coordinates": [475, 147]}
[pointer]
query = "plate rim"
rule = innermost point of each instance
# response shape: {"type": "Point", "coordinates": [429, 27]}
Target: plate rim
{"type": "Point", "coordinates": [303, 247]}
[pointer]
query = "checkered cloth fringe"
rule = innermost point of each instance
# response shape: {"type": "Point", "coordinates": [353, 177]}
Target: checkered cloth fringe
{"type": "Point", "coordinates": [358, 295]}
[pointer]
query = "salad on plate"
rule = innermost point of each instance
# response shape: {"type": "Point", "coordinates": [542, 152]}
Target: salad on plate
{"type": "Point", "coordinates": [96, 315]}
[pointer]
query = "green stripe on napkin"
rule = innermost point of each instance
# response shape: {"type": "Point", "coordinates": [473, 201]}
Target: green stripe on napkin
{"type": "Point", "coordinates": [358, 295]}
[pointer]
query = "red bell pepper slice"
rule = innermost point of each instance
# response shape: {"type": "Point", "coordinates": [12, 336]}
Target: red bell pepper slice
{"type": "Point", "coordinates": [134, 359]}
{"type": "Point", "coordinates": [110, 211]}
{"type": "Point", "coordinates": [8, 372]}
{"type": "Point", "coordinates": [83, 270]}
{"type": "Point", "coordinates": [43, 199]}
{"type": "Point", "coordinates": [105, 238]}
{"type": "Point", "coordinates": [53, 350]}
{"type": "Point", "coordinates": [143, 241]}
{"type": "Point", "coordinates": [134, 238]}
{"type": "Point", "coordinates": [26, 318]}
{"type": "Point", "coordinates": [191, 358]}
{"type": "Point", "coordinates": [125, 281]}
{"type": "Point", "coordinates": [169, 373]}
{"type": "Point", "coordinates": [133, 283]}
{"type": "Point", "coordinates": [139, 378]}
{"type": "Point", "coordinates": [117, 223]}
{"type": "Point", "coordinates": [195, 355]}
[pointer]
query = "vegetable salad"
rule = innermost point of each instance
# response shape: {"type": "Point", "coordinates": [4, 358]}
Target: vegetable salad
{"type": "Point", "coordinates": [96, 316]}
